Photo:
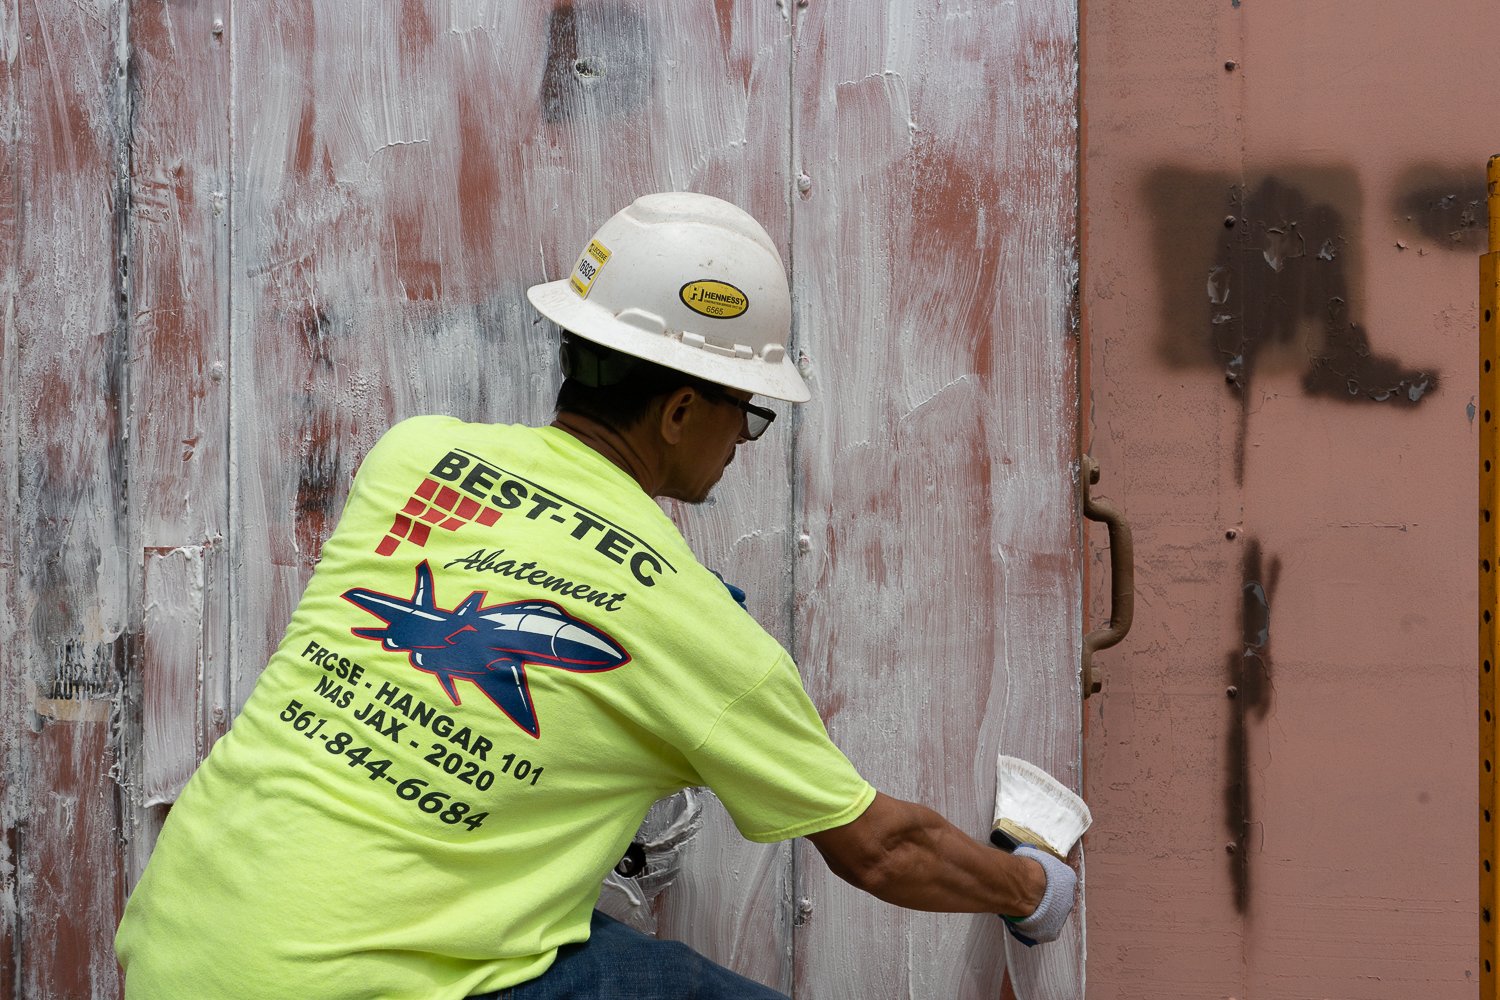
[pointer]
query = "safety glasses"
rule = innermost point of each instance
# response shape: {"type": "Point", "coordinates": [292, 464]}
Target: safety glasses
{"type": "Point", "coordinates": [757, 418]}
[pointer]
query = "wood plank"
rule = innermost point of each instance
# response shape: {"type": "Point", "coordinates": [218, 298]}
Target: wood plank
{"type": "Point", "coordinates": [724, 118]}
{"type": "Point", "coordinates": [12, 708]}
{"type": "Point", "coordinates": [172, 682]}
{"type": "Point", "coordinates": [65, 367]}
{"type": "Point", "coordinates": [72, 886]}
{"type": "Point", "coordinates": [700, 103]}
{"type": "Point", "coordinates": [940, 581]}
{"type": "Point", "coordinates": [383, 242]}
{"type": "Point", "coordinates": [179, 296]}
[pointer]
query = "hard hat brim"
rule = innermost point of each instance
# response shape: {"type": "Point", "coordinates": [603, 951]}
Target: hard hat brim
{"type": "Point", "coordinates": [559, 302]}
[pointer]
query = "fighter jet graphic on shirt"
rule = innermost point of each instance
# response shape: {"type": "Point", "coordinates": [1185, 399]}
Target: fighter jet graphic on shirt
{"type": "Point", "coordinates": [488, 646]}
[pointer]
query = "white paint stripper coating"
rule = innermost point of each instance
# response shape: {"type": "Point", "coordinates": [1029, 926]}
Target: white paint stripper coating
{"type": "Point", "coordinates": [1032, 807]}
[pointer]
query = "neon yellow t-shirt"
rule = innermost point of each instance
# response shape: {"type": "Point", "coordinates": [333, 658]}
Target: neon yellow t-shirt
{"type": "Point", "coordinates": [506, 654]}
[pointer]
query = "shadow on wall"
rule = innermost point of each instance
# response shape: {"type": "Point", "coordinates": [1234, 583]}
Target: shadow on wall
{"type": "Point", "coordinates": [1268, 274]}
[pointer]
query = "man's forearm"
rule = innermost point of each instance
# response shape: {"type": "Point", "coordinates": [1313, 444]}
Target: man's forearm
{"type": "Point", "coordinates": [909, 855]}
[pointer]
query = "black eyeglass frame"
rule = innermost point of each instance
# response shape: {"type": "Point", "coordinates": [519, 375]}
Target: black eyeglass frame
{"type": "Point", "coordinates": [753, 431]}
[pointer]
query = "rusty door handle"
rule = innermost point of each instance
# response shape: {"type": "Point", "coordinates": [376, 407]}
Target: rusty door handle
{"type": "Point", "coordinates": [1121, 577]}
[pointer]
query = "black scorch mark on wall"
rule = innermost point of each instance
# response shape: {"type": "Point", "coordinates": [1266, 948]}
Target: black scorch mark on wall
{"type": "Point", "coordinates": [1249, 702]}
{"type": "Point", "coordinates": [1444, 207]}
{"type": "Point", "coordinates": [1267, 275]}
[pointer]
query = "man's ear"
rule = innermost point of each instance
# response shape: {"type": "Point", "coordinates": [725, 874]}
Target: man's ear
{"type": "Point", "coordinates": [676, 410]}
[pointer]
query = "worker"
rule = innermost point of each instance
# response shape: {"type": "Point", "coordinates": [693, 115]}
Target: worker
{"type": "Point", "coordinates": [506, 654]}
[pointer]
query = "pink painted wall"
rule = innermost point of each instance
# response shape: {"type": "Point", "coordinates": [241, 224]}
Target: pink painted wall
{"type": "Point", "coordinates": [1282, 215]}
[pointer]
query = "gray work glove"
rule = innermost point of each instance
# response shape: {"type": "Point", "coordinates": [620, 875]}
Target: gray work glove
{"type": "Point", "coordinates": [1047, 921]}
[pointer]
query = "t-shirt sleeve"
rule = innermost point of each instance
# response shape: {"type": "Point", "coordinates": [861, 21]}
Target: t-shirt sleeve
{"type": "Point", "coordinates": [770, 761]}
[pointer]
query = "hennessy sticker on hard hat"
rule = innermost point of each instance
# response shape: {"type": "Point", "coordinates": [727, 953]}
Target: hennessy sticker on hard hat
{"type": "Point", "coordinates": [590, 263]}
{"type": "Point", "coordinates": [715, 299]}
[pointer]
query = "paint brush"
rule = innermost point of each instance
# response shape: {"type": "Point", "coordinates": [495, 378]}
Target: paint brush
{"type": "Point", "coordinates": [1032, 807]}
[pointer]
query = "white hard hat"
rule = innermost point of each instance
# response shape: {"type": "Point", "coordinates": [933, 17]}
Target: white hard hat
{"type": "Point", "coordinates": [689, 282]}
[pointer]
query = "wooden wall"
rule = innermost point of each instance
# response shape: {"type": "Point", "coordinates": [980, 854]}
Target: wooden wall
{"type": "Point", "coordinates": [242, 239]}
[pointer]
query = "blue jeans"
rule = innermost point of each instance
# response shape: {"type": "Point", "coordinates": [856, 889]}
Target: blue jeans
{"type": "Point", "coordinates": [620, 963]}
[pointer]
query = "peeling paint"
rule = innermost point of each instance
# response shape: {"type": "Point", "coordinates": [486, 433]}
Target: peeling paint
{"type": "Point", "coordinates": [1445, 205]}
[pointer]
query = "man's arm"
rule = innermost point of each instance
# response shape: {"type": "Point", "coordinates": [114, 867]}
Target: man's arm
{"type": "Point", "coordinates": [908, 855]}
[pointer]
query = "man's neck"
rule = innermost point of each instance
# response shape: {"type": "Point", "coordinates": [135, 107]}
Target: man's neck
{"type": "Point", "coordinates": [623, 449]}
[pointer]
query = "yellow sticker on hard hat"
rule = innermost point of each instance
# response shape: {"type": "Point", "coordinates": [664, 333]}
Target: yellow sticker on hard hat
{"type": "Point", "coordinates": [715, 299]}
{"type": "Point", "coordinates": [590, 263]}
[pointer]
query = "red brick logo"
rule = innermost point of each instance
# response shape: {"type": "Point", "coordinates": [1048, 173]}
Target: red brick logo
{"type": "Point", "coordinates": [434, 505]}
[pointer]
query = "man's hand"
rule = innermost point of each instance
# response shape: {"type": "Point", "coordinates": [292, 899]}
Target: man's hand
{"type": "Point", "coordinates": [1047, 921]}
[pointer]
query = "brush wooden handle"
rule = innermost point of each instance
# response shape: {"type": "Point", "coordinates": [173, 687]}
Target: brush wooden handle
{"type": "Point", "coordinates": [1009, 835]}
